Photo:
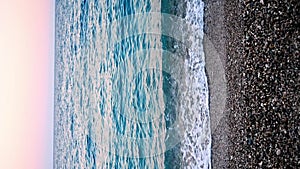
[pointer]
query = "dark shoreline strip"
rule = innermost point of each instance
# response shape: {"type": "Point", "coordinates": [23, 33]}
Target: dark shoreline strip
{"type": "Point", "coordinates": [173, 157]}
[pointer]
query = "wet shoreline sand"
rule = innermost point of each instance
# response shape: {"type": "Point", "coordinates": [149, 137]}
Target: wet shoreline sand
{"type": "Point", "coordinates": [215, 52]}
{"type": "Point", "coordinates": [258, 45]}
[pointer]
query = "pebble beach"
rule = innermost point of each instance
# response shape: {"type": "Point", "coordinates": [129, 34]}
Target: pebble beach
{"type": "Point", "coordinates": [258, 44]}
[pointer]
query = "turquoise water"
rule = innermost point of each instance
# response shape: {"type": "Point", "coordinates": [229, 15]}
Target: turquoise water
{"type": "Point", "coordinates": [130, 85]}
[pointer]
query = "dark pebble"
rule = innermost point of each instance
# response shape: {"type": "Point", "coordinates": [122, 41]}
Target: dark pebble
{"type": "Point", "coordinates": [262, 69]}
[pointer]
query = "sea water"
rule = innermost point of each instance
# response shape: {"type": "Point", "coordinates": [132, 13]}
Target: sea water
{"type": "Point", "coordinates": [130, 85]}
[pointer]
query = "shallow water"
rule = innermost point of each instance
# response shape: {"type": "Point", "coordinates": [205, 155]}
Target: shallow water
{"type": "Point", "coordinates": [130, 85]}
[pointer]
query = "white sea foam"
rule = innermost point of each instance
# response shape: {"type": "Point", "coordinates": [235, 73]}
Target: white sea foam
{"type": "Point", "coordinates": [196, 146]}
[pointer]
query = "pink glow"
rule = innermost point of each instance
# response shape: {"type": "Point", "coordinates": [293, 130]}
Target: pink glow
{"type": "Point", "coordinates": [26, 81]}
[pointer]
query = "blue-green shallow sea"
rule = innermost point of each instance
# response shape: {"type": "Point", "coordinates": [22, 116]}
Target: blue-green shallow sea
{"type": "Point", "coordinates": [130, 92]}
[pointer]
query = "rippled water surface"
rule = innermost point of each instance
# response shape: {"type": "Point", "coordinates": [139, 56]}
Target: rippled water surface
{"type": "Point", "coordinates": [130, 85]}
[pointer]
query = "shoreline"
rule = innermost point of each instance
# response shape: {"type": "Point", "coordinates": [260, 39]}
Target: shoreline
{"type": "Point", "coordinates": [214, 49]}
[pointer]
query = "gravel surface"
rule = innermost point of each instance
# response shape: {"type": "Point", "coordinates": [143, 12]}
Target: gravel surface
{"type": "Point", "coordinates": [258, 43]}
{"type": "Point", "coordinates": [262, 69]}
